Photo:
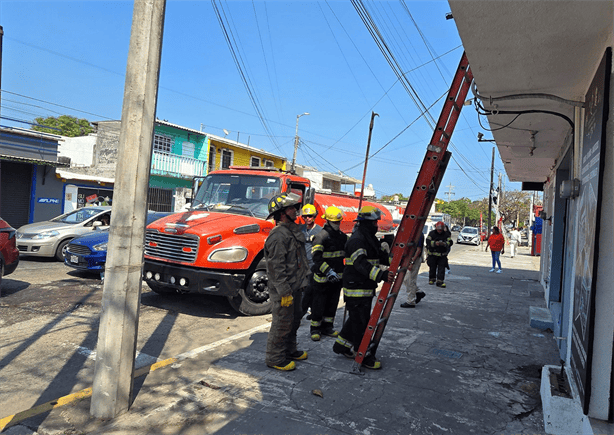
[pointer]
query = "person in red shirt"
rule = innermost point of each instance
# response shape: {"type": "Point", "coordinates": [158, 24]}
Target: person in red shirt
{"type": "Point", "coordinates": [497, 247]}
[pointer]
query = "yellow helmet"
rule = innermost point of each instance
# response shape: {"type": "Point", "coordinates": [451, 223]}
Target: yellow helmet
{"type": "Point", "coordinates": [333, 214]}
{"type": "Point", "coordinates": [369, 213]}
{"type": "Point", "coordinates": [309, 210]}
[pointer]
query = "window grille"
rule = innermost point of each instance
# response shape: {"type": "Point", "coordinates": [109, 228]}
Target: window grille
{"type": "Point", "coordinates": [254, 162]}
{"type": "Point", "coordinates": [269, 164]}
{"type": "Point", "coordinates": [160, 199]}
{"type": "Point", "coordinates": [226, 160]}
{"type": "Point", "coordinates": [162, 144]}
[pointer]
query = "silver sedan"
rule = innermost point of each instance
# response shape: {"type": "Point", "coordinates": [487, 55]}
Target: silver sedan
{"type": "Point", "coordinates": [49, 238]}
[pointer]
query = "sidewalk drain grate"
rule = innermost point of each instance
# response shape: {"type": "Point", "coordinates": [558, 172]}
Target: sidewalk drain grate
{"type": "Point", "coordinates": [446, 353]}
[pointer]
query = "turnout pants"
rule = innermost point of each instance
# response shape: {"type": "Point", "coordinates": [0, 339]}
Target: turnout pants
{"type": "Point", "coordinates": [324, 305]}
{"type": "Point", "coordinates": [359, 312]}
{"type": "Point", "coordinates": [437, 267]}
{"type": "Point", "coordinates": [307, 295]}
{"type": "Point", "coordinates": [281, 341]}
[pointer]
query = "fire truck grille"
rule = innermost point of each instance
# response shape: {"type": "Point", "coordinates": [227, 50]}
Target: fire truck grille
{"type": "Point", "coordinates": [171, 247]}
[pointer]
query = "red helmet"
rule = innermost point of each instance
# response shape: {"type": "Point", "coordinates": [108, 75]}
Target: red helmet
{"type": "Point", "coordinates": [441, 225]}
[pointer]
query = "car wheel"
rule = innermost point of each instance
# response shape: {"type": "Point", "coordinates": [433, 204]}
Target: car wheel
{"type": "Point", "coordinates": [253, 299]}
{"type": "Point", "coordinates": [59, 253]}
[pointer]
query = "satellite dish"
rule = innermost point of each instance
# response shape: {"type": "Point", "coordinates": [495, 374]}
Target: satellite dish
{"type": "Point", "coordinates": [225, 132]}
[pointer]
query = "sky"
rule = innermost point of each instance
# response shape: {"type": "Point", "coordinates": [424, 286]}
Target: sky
{"type": "Point", "coordinates": [290, 58]}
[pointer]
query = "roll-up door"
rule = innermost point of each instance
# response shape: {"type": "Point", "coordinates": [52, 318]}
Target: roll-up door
{"type": "Point", "coordinates": [15, 189]}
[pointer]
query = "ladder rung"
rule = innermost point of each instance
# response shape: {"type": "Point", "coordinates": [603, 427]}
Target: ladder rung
{"type": "Point", "coordinates": [382, 320]}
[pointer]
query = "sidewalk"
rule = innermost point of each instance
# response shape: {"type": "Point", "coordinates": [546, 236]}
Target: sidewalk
{"type": "Point", "coordinates": [465, 360]}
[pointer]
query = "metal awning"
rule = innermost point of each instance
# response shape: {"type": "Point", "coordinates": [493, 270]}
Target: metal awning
{"type": "Point", "coordinates": [53, 163]}
{"type": "Point", "coordinates": [531, 47]}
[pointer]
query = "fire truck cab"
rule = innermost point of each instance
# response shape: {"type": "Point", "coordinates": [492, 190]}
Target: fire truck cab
{"type": "Point", "coordinates": [216, 247]}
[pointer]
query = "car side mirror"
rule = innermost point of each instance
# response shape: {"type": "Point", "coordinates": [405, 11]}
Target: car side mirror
{"type": "Point", "coordinates": [96, 224]}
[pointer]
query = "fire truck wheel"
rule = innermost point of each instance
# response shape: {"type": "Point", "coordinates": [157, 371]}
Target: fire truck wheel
{"type": "Point", "coordinates": [253, 300]}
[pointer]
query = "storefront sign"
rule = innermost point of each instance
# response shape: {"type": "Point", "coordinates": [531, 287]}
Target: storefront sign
{"type": "Point", "coordinates": [589, 210]}
{"type": "Point", "coordinates": [48, 200]}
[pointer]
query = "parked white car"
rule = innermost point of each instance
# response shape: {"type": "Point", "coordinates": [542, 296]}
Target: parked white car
{"type": "Point", "coordinates": [470, 235]}
{"type": "Point", "coordinates": [50, 238]}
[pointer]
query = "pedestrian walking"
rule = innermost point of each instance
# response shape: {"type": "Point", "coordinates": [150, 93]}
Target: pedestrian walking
{"type": "Point", "coordinates": [361, 275]}
{"type": "Point", "coordinates": [309, 229]}
{"type": "Point", "coordinates": [328, 255]}
{"type": "Point", "coordinates": [438, 243]}
{"type": "Point", "coordinates": [514, 241]}
{"type": "Point", "coordinates": [414, 294]}
{"type": "Point", "coordinates": [497, 247]}
{"type": "Point", "coordinates": [286, 264]}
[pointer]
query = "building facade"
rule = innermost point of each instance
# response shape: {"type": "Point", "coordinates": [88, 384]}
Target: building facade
{"type": "Point", "coordinates": [29, 190]}
{"type": "Point", "coordinates": [543, 77]}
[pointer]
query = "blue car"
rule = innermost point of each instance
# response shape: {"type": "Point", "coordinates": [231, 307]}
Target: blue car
{"type": "Point", "coordinates": [89, 253]}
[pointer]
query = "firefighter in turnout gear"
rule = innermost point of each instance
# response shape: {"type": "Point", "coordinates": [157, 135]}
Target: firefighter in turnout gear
{"type": "Point", "coordinates": [287, 268]}
{"type": "Point", "coordinates": [361, 276]}
{"type": "Point", "coordinates": [438, 243]}
{"type": "Point", "coordinates": [327, 254]}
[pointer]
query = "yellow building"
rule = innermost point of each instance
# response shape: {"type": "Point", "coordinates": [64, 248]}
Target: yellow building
{"type": "Point", "coordinates": [224, 153]}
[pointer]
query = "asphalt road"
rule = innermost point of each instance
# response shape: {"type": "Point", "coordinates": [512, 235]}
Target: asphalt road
{"type": "Point", "coordinates": [49, 328]}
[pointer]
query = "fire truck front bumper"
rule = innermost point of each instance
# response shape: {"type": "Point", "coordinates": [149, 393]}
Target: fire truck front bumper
{"type": "Point", "coordinates": [192, 280]}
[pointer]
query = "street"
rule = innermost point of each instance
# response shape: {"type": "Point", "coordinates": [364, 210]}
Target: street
{"type": "Point", "coordinates": [49, 327]}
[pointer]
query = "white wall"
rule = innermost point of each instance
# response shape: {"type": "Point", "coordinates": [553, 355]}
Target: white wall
{"type": "Point", "coordinates": [79, 149]}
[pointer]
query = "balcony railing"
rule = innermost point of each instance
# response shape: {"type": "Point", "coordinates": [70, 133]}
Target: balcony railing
{"type": "Point", "coordinates": [177, 166]}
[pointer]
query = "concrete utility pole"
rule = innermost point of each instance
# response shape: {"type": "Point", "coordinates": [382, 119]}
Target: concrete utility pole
{"type": "Point", "coordinates": [492, 170]}
{"type": "Point", "coordinates": [449, 192]}
{"type": "Point", "coordinates": [113, 376]}
{"type": "Point", "coordinates": [296, 140]}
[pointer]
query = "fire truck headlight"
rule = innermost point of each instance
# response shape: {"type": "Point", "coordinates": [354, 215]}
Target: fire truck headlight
{"type": "Point", "coordinates": [235, 254]}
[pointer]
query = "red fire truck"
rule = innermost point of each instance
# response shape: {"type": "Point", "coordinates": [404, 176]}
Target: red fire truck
{"type": "Point", "coordinates": [217, 246]}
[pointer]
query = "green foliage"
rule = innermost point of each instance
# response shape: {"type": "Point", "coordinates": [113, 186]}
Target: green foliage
{"type": "Point", "coordinates": [63, 125]}
{"type": "Point", "coordinates": [390, 198]}
{"type": "Point", "coordinates": [514, 206]}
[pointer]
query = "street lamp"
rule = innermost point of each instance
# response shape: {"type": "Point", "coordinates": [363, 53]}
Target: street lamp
{"type": "Point", "coordinates": [296, 140]}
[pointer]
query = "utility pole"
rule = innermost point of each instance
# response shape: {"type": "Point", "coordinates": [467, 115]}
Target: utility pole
{"type": "Point", "coordinates": [449, 192]}
{"type": "Point", "coordinates": [364, 172]}
{"type": "Point", "coordinates": [296, 140]}
{"type": "Point", "coordinates": [499, 200]}
{"type": "Point", "coordinates": [118, 331]}
{"type": "Point", "coordinates": [492, 170]}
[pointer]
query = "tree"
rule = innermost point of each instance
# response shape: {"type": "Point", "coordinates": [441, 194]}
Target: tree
{"type": "Point", "coordinates": [515, 206]}
{"type": "Point", "coordinates": [63, 125]}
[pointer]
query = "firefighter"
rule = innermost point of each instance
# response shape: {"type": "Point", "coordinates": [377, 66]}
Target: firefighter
{"type": "Point", "coordinates": [328, 254]}
{"type": "Point", "coordinates": [438, 243]}
{"type": "Point", "coordinates": [310, 229]}
{"type": "Point", "coordinates": [361, 275]}
{"type": "Point", "coordinates": [287, 268]}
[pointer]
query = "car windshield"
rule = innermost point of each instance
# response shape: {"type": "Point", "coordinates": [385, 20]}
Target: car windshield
{"type": "Point", "coordinates": [469, 231]}
{"type": "Point", "coordinates": [238, 194]}
{"type": "Point", "coordinates": [78, 216]}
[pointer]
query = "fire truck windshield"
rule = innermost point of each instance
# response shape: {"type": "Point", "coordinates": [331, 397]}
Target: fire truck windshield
{"type": "Point", "coordinates": [239, 194]}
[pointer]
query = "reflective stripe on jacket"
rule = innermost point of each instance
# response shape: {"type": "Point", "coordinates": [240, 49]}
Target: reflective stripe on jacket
{"type": "Point", "coordinates": [363, 258]}
{"type": "Point", "coordinates": [328, 252]}
{"type": "Point", "coordinates": [434, 237]}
